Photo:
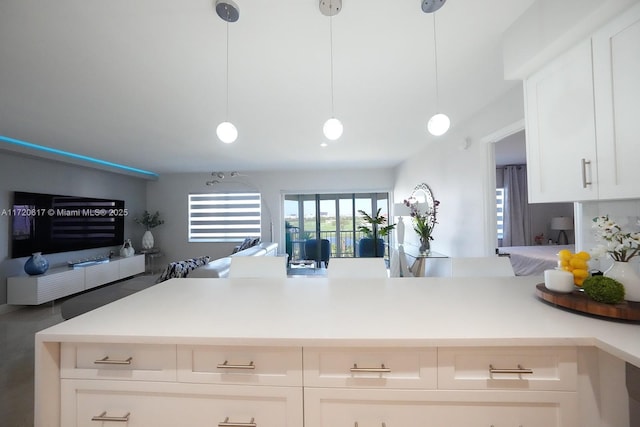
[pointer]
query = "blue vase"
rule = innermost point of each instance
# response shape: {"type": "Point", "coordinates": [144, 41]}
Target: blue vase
{"type": "Point", "coordinates": [36, 264]}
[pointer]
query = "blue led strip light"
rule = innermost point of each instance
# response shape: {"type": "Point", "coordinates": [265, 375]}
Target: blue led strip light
{"type": "Point", "coordinates": [75, 156]}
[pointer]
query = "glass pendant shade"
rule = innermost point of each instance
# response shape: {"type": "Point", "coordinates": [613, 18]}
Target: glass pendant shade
{"type": "Point", "coordinates": [438, 124]}
{"type": "Point", "coordinates": [332, 129]}
{"type": "Point", "coordinates": [227, 132]}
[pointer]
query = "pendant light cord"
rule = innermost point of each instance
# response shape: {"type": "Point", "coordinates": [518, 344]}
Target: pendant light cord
{"type": "Point", "coordinates": [227, 68]}
{"type": "Point", "coordinates": [435, 56]}
{"type": "Point", "coordinates": [331, 53]}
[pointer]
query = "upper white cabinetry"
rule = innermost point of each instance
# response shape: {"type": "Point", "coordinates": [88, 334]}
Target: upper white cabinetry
{"type": "Point", "coordinates": [616, 74]}
{"type": "Point", "coordinates": [580, 118]}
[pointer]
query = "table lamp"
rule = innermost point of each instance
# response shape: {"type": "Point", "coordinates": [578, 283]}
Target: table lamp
{"type": "Point", "coordinates": [400, 209]}
{"type": "Point", "coordinates": [562, 223]}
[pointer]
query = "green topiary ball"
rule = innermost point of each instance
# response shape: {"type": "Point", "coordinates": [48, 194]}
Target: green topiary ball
{"type": "Point", "coordinates": [604, 289]}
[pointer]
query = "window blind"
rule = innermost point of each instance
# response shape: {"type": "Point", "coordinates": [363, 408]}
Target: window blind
{"type": "Point", "coordinates": [224, 217]}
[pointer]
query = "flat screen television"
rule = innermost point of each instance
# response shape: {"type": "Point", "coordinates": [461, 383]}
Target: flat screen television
{"type": "Point", "coordinates": [51, 223]}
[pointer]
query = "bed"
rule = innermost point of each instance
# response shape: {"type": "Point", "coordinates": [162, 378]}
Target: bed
{"type": "Point", "coordinates": [533, 260]}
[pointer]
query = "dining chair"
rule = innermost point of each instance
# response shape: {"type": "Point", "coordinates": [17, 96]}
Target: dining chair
{"type": "Point", "coordinates": [357, 268]}
{"type": "Point", "coordinates": [319, 254]}
{"type": "Point", "coordinates": [258, 267]}
{"type": "Point", "coordinates": [493, 266]}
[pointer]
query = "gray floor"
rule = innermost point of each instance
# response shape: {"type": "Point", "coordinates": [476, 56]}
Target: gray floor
{"type": "Point", "coordinates": [17, 330]}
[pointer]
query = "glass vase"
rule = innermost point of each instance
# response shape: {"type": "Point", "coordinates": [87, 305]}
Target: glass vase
{"type": "Point", "coordinates": [425, 246]}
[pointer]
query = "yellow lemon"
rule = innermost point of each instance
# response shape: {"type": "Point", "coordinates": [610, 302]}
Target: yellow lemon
{"type": "Point", "coordinates": [580, 273]}
{"type": "Point", "coordinates": [584, 255]}
{"type": "Point", "coordinates": [578, 263]}
{"type": "Point", "coordinates": [564, 254]}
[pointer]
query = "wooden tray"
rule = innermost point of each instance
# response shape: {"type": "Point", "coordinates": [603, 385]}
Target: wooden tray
{"type": "Point", "coordinates": [578, 301]}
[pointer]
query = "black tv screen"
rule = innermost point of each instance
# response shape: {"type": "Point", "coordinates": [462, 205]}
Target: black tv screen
{"type": "Point", "coordinates": [51, 223]}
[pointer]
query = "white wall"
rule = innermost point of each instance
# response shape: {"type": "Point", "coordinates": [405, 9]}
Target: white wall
{"type": "Point", "coordinates": [461, 180]}
{"type": "Point", "coordinates": [21, 173]}
{"type": "Point", "coordinates": [550, 27]}
{"type": "Point", "coordinates": [169, 195]}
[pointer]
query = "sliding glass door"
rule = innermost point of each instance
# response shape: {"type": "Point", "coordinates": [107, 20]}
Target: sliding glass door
{"type": "Point", "coordinates": [333, 217]}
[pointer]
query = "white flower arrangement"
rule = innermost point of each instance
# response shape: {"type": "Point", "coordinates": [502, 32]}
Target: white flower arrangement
{"type": "Point", "coordinates": [619, 245]}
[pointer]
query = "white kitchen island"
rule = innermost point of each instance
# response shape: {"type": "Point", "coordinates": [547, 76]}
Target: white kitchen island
{"type": "Point", "coordinates": [320, 352]}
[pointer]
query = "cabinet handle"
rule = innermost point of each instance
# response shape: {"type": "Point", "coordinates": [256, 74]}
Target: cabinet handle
{"type": "Point", "coordinates": [381, 369]}
{"type": "Point", "coordinates": [585, 162]}
{"type": "Point", "coordinates": [227, 423]}
{"type": "Point", "coordinates": [106, 361]}
{"type": "Point", "coordinates": [226, 365]}
{"type": "Point", "coordinates": [518, 370]}
{"type": "Point", "coordinates": [383, 424]}
{"type": "Point", "coordinates": [103, 417]}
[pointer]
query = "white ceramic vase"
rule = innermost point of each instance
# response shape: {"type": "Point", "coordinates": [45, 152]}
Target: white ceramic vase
{"type": "Point", "coordinates": [147, 240]}
{"type": "Point", "coordinates": [626, 274]}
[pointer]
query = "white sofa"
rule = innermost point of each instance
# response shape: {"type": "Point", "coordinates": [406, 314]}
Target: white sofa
{"type": "Point", "coordinates": [220, 267]}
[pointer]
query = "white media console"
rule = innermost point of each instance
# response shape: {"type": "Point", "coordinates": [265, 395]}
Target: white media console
{"type": "Point", "coordinates": [63, 281]}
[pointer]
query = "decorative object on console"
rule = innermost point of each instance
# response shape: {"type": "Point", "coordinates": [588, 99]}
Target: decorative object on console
{"type": "Point", "coordinates": [373, 229]}
{"type": "Point", "coordinates": [562, 223]}
{"type": "Point", "coordinates": [621, 246]}
{"type": "Point", "coordinates": [149, 221]}
{"type": "Point", "coordinates": [424, 209]}
{"type": "Point", "coordinates": [127, 249]}
{"type": "Point", "coordinates": [400, 210]}
{"type": "Point", "coordinates": [36, 264]}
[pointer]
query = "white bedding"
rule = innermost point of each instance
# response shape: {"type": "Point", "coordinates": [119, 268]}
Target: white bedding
{"type": "Point", "coordinates": [533, 260]}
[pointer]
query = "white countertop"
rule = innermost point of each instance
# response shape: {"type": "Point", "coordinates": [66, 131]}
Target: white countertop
{"type": "Point", "coordinates": [319, 312]}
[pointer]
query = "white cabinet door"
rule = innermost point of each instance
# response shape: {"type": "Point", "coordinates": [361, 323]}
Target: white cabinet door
{"type": "Point", "coordinates": [560, 129]}
{"type": "Point", "coordinates": [99, 274]}
{"type": "Point", "coordinates": [616, 61]}
{"type": "Point", "coordinates": [131, 266]}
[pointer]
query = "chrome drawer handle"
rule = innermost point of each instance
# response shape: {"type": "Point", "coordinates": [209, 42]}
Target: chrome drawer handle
{"type": "Point", "coordinates": [383, 424]}
{"type": "Point", "coordinates": [103, 417]}
{"type": "Point", "coordinates": [226, 365]}
{"type": "Point", "coordinates": [518, 370]}
{"type": "Point", "coordinates": [106, 361]}
{"type": "Point", "coordinates": [381, 369]}
{"type": "Point", "coordinates": [585, 162]}
{"type": "Point", "coordinates": [226, 423]}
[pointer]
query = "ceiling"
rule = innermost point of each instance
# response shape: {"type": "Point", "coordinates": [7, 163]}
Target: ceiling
{"type": "Point", "coordinates": [142, 82]}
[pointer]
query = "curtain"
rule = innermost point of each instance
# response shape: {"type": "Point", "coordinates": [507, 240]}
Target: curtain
{"type": "Point", "coordinates": [517, 229]}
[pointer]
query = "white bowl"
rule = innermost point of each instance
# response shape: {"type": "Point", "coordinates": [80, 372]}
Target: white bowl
{"type": "Point", "coordinates": [559, 281]}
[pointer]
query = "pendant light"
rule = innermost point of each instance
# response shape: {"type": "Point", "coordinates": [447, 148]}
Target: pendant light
{"type": "Point", "coordinates": [430, 6]}
{"type": "Point", "coordinates": [332, 128]}
{"type": "Point", "coordinates": [439, 123]}
{"type": "Point", "coordinates": [229, 12]}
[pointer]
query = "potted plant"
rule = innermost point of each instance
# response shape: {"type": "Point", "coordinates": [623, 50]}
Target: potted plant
{"type": "Point", "coordinates": [423, 223]}
{"type": "Point", "coordinates": [149, 221]}
{"type": "Point", "coordinates": [374, 228]}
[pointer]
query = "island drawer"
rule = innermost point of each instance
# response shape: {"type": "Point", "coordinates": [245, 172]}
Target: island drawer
{"type": "Point", "coordinates": [91, 403]}
{"type": "Point", "coordinates": [329, 407]}
{"type": "Point", "coordinates": [411, 368]}
{"type": "Point", "coordinates": [277, 366]}
{"type": "Point", "coordinates": [150, 362]}
{"type": "Point", "coordinates": [512, 368]}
